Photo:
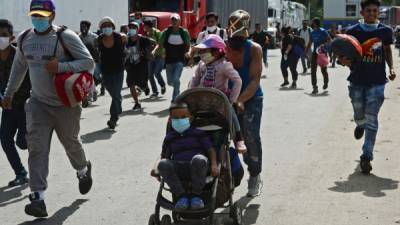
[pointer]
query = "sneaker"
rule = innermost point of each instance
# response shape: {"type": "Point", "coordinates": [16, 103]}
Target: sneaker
{"type": "Point", "coordinates": [254, 186]}
{"type": "Point", "coordinates": [315, 91]}
{"type": "Point", "coordinates": [19, 180]}
{"type": "Point", "coordinates": [294, 85]}
{"type": "Point", "coordinates": [182, 204]}
{"type": "Point", "coordinates": [95, 96]}
{"type": "Point", "coordinates": [365, 166]}
{"type": "Point", "coordinates": [285, 83]}
{"type": "Point", "coordinates": [85, 182]}
{"type": "Point", "coordinates": [85, 103]}
{"type": "Point", "coordinates": [137, 107]}
{"type": "Point", "coordinates": [325, 86]}
{"type": "Point", "coordinates": [37, 207]}
{"type": "Point", "coordinates": [111, 124]}
{"type": "Point", "coordinates": [196, 203]}
{"type": "Point", "coordinates": [147, 91]}
{"type": "Point", "coordinates": [102, 92]}
{"type": "Point", "coordinates": [154, 95]}
{"type": "Point", "coordinates": [359, 132]}
{"type": "Point", "coordinates": [163, 90]}
{"type": "Point", "coordinates": [241, 147]}
{"type": "Point", "coordinates": [304, 72]}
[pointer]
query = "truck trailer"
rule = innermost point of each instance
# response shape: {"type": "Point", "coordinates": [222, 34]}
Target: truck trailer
{"type": "Point", "coordinates": [68, 12]}
{"type": "Point", "coordinates": [193, 12]}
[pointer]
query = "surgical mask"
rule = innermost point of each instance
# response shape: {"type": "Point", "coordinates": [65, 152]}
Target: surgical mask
{"type": "Point", "coordinates": [180, 125]}
{"type": "Point", "coordinates": [132, 32]}
{"type": "Point", "coordinates": [139, 21]}
{"type": "Point", "coordinates": [107, 31]}
{"type": "Point", "coordinates": [368, 26]}
{"type": "Point", "coordinates": [4, 42]}
{"type": "Point", "coordinates": [207, 57]}
{"type": "Point", "coordinates": [41, 24]}
{"type": "Point", "coordinates": [212, 29]}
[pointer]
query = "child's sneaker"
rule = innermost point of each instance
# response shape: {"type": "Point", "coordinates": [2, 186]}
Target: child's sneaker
{"type": "Point", "coordinates": [241, 147]}
{"type": "Point", "coordinates": [196, 203]}
{"type": "Point", "coordinates": [182, 203]}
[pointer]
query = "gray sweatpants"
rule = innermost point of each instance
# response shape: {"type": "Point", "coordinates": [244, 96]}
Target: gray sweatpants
{"type": "Point", "coordinates": [42, 120]}
{"type": "Point", "coordinates": [173, 171]}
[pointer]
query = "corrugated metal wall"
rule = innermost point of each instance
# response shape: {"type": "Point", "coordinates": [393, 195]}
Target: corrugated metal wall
{"type": "Point", "coordinates": [258, 10]}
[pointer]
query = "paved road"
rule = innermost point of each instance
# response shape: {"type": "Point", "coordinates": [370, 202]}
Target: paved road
{"type": "Point", "coordinates": [310, 172]}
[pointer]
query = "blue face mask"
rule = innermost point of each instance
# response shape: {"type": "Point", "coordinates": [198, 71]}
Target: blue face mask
{"type": "Point", "coordinates": [107, 31]}
{"type": "Point", "coordinates": [40, 24]}
{"type": "Point", "coordinates": [367, 26]}
{"type": "Point", "coordinates": [132, 32]}
{"type": "Point", "coordinates": [181, 125]}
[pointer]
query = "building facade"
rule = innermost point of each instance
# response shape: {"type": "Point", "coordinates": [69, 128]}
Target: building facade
{"type": "Point", "coordinates": [341, 12]}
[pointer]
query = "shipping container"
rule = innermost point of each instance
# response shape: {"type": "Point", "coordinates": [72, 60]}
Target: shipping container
{"type": "Point", "coordinates": [68, 12]}
{"type": "Point", "coordinates": [258, 10]}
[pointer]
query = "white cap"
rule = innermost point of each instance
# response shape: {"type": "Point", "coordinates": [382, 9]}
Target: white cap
{"type": "Point", "coordinates": [175, 16]}
{"type": "Point", "coordinates": [106, 19]}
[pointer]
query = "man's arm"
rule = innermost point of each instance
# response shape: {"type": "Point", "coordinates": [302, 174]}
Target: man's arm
{"type": "Point", "coordinates": [256, 66]}
{"type": "Point", "coordinates": [389, 61]}
{"type": "Point", "coordinates": [17, 74]}
{"type": "Point", "coordinates": [83, 61]}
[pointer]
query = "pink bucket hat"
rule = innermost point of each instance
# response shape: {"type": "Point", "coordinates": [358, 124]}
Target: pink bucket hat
{"type": "Point", "coordinates": [212, 41]}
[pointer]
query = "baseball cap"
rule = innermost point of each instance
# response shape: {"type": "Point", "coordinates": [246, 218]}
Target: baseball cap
{"type": "Point", "coordinates": [212, 41]}
{"type": "Point", "coordinates": [106, 19]}
{"type": "Point", "coordinates": [176, 16]}
{"type": "Point", "coordinates": [42, 7]}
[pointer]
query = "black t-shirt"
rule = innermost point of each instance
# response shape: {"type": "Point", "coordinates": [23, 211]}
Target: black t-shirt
{"type": "Point", "coordinates": [260, 38]}
{"type": "Point", "coordinates": [286, 41]}
{"type": "Point", "coordinates": [372, 69]}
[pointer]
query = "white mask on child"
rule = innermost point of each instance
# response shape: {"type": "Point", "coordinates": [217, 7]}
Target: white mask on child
{"type": "Point", "coordinates": [4, 42]}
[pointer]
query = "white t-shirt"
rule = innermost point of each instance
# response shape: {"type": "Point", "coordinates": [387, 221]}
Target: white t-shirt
{"type": "Point", "coordinates": [305, 34]}
{"type": "Point", "coordinates": [204, 34]}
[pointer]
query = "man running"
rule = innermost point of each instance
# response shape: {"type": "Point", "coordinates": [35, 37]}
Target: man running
{"type": "Point", "coordinates": [41, 51]}
{"type": "Point", "coordinates": [368, 78]}
{"type": "Point", "coordinates": [246, 56]}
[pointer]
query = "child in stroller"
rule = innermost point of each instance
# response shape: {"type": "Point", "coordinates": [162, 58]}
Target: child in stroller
{"type": "Point", "coordinates": [206, 117]}
{"type": "Point", "coordinates": [214, 71]}
{"type": "Point", "coordinates": [186, 154]}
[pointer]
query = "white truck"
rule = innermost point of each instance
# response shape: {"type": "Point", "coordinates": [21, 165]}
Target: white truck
{"type": "Point", "coordinates": [68, 12]}
{"type": "Point", "coordinates": [284, 13]}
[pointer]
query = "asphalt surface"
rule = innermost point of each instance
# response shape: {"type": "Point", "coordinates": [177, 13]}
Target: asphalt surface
{"type": "Point", "coordinates": [310, 172]}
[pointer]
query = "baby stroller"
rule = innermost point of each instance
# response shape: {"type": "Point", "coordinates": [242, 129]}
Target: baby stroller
{"type": "Point", "coordinates": [211, 112]}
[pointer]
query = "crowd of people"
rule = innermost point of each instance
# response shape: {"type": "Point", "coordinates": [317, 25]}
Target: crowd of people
{"type": "Point", "coordinates": [231, 60]}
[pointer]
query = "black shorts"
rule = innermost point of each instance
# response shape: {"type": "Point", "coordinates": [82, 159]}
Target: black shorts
{"type": "Point", "coordinates": [137, 75]}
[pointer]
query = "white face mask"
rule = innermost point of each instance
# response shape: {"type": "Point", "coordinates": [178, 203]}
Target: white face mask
{"type": "Point", "coordinates": [212, 29]}
{"type": "Point", "coordinates": [4, 42]}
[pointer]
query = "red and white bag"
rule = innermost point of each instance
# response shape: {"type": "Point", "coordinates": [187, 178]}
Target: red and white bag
{"type": "Point", "coordinates": [73, 88]}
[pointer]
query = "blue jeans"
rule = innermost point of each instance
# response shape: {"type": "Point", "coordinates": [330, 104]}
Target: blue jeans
{"type": "Point", "coordinates": [113, 84]}
{"type": "Point", "coordinates": [250, 122]}
{"type": "Point", "coordinates": [367, 101]}
{"type": "Point", "coordinates": [13, 121]}
{"type": "Point", "coordinates": [265, 56]}
{"type": "Point", "coordinates": [174, 72]}
{"type": "Point", "coordinates": [155, 68]}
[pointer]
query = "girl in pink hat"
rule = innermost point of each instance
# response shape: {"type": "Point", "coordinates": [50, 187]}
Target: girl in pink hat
{"type": "Point", "coordinates": [214, 71]}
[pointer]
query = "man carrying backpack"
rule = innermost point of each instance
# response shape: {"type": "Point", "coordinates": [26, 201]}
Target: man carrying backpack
{"type": "Point", "coordinates": [176, 41]}
{"type": "Point", "coordinates": [43, 50]}
{"type": "Point", "coordinates": [305, 33]}
{"type": "Point", "coordinates": [212, 28]}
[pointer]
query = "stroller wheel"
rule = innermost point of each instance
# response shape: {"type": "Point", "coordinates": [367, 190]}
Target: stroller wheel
{"type": "Point", "coordinates": [236, 214]}
{"type": "Point", "coordinates": [176, 217]}
{"type": "Point", "coordinates": [153, 220]}
{"type": "Point", "coordinates": [166, 220]}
